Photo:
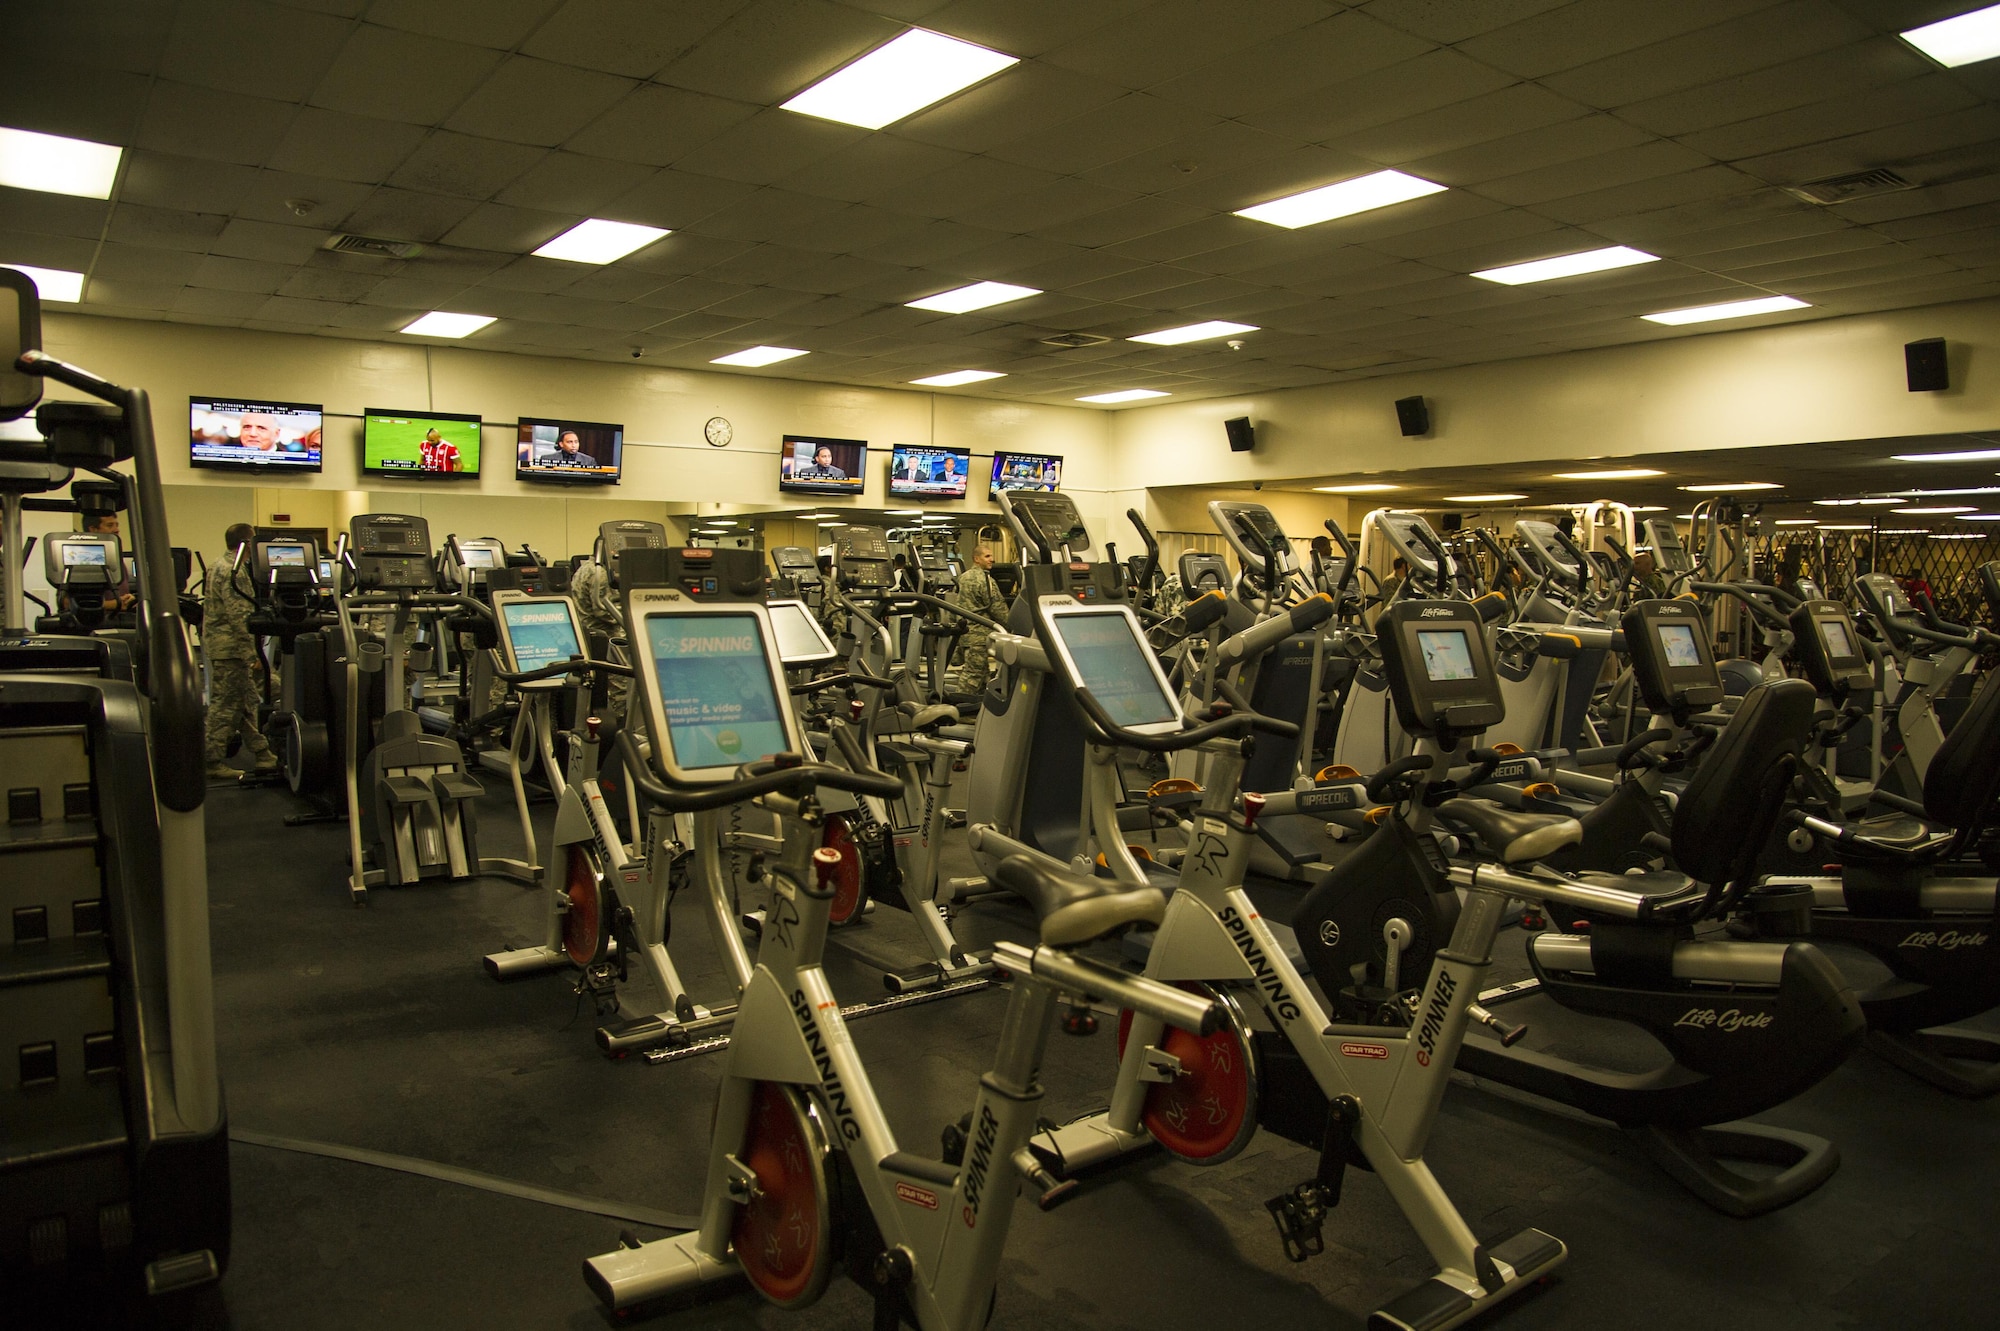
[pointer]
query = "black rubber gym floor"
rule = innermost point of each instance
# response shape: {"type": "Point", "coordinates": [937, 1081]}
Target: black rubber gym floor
{"type": "Point", "coordinates": [377, 1028]}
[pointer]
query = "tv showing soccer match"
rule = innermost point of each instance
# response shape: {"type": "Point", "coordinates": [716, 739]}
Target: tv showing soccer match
{"type": "Point", "coordinates": [231, 433]}
{"type": "Point", "coordinates": [1026, 471]}
{"type": "Point", "coordinates": [565, 452]}
{"type": "Point", "coordinates": [427, 445]}
{"type": "Point", "coordinates": [929, 473]}
{"type": "Point", "coordinates": [812, 465]}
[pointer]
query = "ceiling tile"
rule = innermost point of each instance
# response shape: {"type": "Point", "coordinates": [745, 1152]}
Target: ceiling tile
{"type": "Point", "coordinates": [71, 252]}
{"type": "Point", "coordinates": [768, 147]}
{"type": "Point", "coordinates": [1173, 37]}
{"type": "Point", "coordinates": [84, 102]}
{"type": "Point", "coordinates": [403, 76]}
{"type": "Point", "coordinates": [967, 185]}
{"type": "Point", "coordinates": [497, 23]}
{"type": "Point", "coordinates": [400, 214]}
{"type": "Point", "coordinates": [242, 275]}
{"type": "Point", "coordinates": [1132, 124]}
{"type": "Point", "coordinates": [251, 46]}
{"type": "Point", "coordinates": [1495, 115]}
{"type": "Point", "coordinates": [572, 181]}
{"type": "Point", "coordinates": [344, 147]}
{"type": "Point", "coordinates": [129, 36]}
{"type": "Point", "coordinates": [414, 293]}
{"type": "Point", "coordinates": [500, 228]}
{"type": "Point", "coordinates": [658, 125]}
{"type": "Point", "coordinates": [1850, 112]}
{"type": "Point", "coordinates": [1566, 141]}
{"type": "Point", "coordinates": [244, 239]}
{"type": "Point", "coordinates": [55, 214]}
{"type": "Point", "coordinates": [1381, 96]}
{"type": "Point", "coordinates": [534, 101]}
{"type": "Point", "coordinates": [164, 228]}
{"type": "Point", "coordinates": [678, 200]}
{"type": "Point", "coordinates": [1590, 174]}
{"type": "Point", "coordinates": [130, 295]}
{"type": "Point", "coordinates": [1753, 42]}
{"type": "Point", "coordinates": [277, 196]}
{"type": "Point", "coordinates": [462, 165]}
{"type": "Point", "coordinates": [202, 122]}
{"type": "Point", "coordinates": [1330, 50]}
{"type": "Point", "coordinates": [1589, 30]}
{"type": "Point", "coordinates": [1026, 99]}
{"type": "Point", "coordinates": [141, 264]}
{"type": "Point", "coordinates": [323, 284]}
{"type": "Point", "coordinates": [626, 37]}
{"type": "Point", "coordinates": [207, 303]}
{"type": "Point", "coordinates": [870, 166]}
{"type": "Point", "coordinates": [1796, 83]}
{"type": "Point", "coordinates": [774, 48]}
{"type": "Point", "coordinates": [769, 214]}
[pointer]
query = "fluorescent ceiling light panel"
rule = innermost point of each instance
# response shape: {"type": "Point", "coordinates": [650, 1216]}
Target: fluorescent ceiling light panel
{"type": "Point", "coordinates": [1981, 517]}
{"type": "Point", "coordinates": [756, 356]}
{"type": "Point", "coordinates": [1725, 487]}
{"type": "Point", "coordinates": [1935, 511]}
{"type": "Point", "coordinates": [1940, 494]}
{"type": "Point", "coordinates": [978, 296]}
{"type": "Point", "coordinates": [1969, 455]}
{"type": "Point", "coordinates": [57, 284]}
{"type": "Point", "coordinates": [899, 79]}
{"type": "Point", "coordinates": [1567, 265]}
{"type": "Point", "coordinates": [1342, 199]}
{"type": "Point", "coordinates": [1844, 526]}
{"type": "Point", "coordinates": [1964, 40]}
{"type": "Point", "coordinates": [1854, 503]}
{"type": "Point", "coordinates": [438, 323]}
{"type": "Point", "coordinates": [1201, 332]}
{"type": "Point", "coordinates": [1480, 499]}
{"type": "Point", "coordinates": [1124, 395]}
{"type": "Point", "coordinates": [1649, 508]}
{"type": "Point", "coordinates": [1733, 309]}
{"type": "Point", "coordinates": [56, 165]}
{"type": "Point", "coordinates": [1374, 487]}
{"type": "Point", "coordinates": [957, 378]}
{"type": "Point", "coordinates": [595, 240]}
{"type": "Point", "coordinates": [1798, 522]}
{"type": "Point", "coordinates": [1620, 474]}
{"type": "Point", "coordinates": [1959, 536]}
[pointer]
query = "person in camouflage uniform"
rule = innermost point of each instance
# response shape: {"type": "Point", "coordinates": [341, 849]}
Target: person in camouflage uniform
{"type": "Point", "coordinates": [233, 694]}
{"type": "Point", "coordinates": [978, 593]}
{"type": "Point", "coordinates": [597, 606]}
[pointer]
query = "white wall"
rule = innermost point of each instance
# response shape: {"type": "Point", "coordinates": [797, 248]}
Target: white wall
{"type": "Point", "coordinates": [669, 468]}
{"type": "Point", "coordinates": [1805, 382]}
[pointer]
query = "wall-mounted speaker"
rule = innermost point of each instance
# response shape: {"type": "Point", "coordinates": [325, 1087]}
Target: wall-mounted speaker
{"type": "Point", "coordinates": [1925, 364]}
{"type": "Point", "coordinates": [1414, 415]}
{"type": "Point", "coordinates": [1242, 436]}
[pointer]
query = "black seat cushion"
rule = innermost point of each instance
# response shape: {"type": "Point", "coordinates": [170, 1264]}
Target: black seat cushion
{"type": "Point", "coordinates": [1724, 815]}
{"type": "Point", "coordinates": [1073, 909]}
{"type": "Point", "coordinates": [1964, 775]}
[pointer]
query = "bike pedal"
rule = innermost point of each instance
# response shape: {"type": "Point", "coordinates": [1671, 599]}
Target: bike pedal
{"type": "Point", "coordinates": [1300, 1216]}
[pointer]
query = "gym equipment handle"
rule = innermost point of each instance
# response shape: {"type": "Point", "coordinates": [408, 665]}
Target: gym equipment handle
{"type": "Point", "coordinates": [1226, 727]}
{"type": "Point", "coordinates": [1262, 637]}
{"type": "Point", "coordinates": [1270, 725]}
{"type": "Point", "coordinates": [575, 665]}
{"type": "Point", "coordinates": [1378, 784]}
{"type": "Point", "coordinates": [1176, 1007]}
{"type": "Point", "coordinates": [799, 780]}
{"type": "Point", "coordinates": [1558, 891]}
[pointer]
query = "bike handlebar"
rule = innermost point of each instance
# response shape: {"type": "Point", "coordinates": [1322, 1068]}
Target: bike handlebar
{"type": "Point", "coordinates": [797, 778]}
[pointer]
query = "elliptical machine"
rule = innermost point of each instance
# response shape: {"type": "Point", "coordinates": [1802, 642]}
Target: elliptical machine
{"type": "Point", "coordinates": [409, 796]}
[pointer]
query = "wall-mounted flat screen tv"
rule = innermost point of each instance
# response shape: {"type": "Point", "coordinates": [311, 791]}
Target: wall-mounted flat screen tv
{"type": "Point", "coordinates": [929, 473]}
{"type": "Point", "coordinates": [568, 452]}
{"type": "Point", "coordinates": [1026, 471]}
{"type": "Point", "coordinates": [229, 434]}
{"type": "Point", "coordinates": [810, 464]}
{"type": "Point", "coordinates": [420, 445]}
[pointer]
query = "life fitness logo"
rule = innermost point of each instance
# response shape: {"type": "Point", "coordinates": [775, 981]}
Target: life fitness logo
{"type": "Point", "coordinates": [916, 1196]}
{"type": "Point", "coordinates": [1437, 612]}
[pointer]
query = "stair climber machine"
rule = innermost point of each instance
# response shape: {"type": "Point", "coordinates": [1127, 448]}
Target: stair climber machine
{"type": "Point", "coordinates": [114, 1144]}
{"type": "Point", "coordinates": [1916, 889]}
{"type": "Point", "coordinates": [804, 1174]}
{"type": "Point", "coordinates": [1358, 1093]}
{"type": "Point", "coordinates": [537, 635]}
{"type": "Point", "coordinates": [456, 698]}
{"type": "Point", "coordinates": [1929, 657]}
{"type": "Point", "coordinates": [891, 849]}
{"type": "Point", "coordinates": [283, 577]}
{"type": "Point", "coordinates": [1746, 1025]}
{"type": "Point", "coordinates": [795, 575]}
{"type": "Point", "coordinates": [409, 795]}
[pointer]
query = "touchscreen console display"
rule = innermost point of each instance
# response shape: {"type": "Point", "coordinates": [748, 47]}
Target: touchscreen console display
{"type": "Point", "coordinates": [1447, 654]}
{"type": "Point", "coordinates": [716, 688]}
{"type": "Point", "coordinates": [1111, 662]}
{"type": "Point", "coordinates": [541, 633]}
{"type": "Point", "coordinates": [1679, 643]}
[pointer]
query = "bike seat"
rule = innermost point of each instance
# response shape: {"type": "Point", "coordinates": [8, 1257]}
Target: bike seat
{"type": "Point", "coordinates": [927, 717]}
{"type": "Point", "coordinates": [1074, 909]}
{"type": "Point", "coordinates": [1509, 834]}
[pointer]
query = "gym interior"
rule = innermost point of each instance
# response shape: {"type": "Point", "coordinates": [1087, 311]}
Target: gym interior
{"type": "Point", "coordinates": [949, 663]}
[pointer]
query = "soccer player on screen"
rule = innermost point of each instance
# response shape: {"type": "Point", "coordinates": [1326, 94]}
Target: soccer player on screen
{"type": "Point", "coordinates": [437, 452]}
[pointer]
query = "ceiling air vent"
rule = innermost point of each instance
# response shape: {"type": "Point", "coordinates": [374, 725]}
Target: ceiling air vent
{"type": "Point", "coordinates": [1071, 341]}
{"type": "Point", "coordinates": [1854, 185]}
{"type": "Point", "coordinates": [373, 246]}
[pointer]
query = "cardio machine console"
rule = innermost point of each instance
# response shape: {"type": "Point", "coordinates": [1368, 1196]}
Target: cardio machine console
{"type": "Point", "coordinates": [705, 573]}
{"type": "Point", "coordinates": [1885, 603]}
{"type": "Point", "coordinates": [1045, 524]}
{"type": "Point", "coordinates": [1829, 649]}
{"type": "Point", "coordinates": [1669, 555]}
{"type": "Point", "coordinates": [391, 552]}
{"type": "Point", "coordinates": [537, 631]}
{"type": "Point", "coordinates": [1673, 665]}
{"type": "Point", "coordinates": [89, 560]}
{"type": "Point", "coordinates": [614, 538]}
{"type": "Point", "coordinates": [1201, 572]}
{"type": "Point", "coordinates": [861, 558]}
{"type": "Point", "coordinates": [801, 639]}
{"type": "Point", "coordinates": [469, 559]}
{"type": "Point", "coordinates": [288, 572]}
{"type": "Point", "coordinates": [1439, 668]}
{"type": "Point", "coordinates": [1101, 648]}
{"type": "Point", "coordinates": [1251, 529]}
{"type": "Point", "coordinates": [713, 684]}
{"type": "Point", "coordinates": [1413, 539]}
{"type": "Point", "coordinates": [1546, 550]}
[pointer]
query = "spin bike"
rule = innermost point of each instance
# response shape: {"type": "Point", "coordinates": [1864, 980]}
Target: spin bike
{"type": "Point", "coordinates": [804, 1172]}
{"type": "Point", "coordinates": [1363, 1094]}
